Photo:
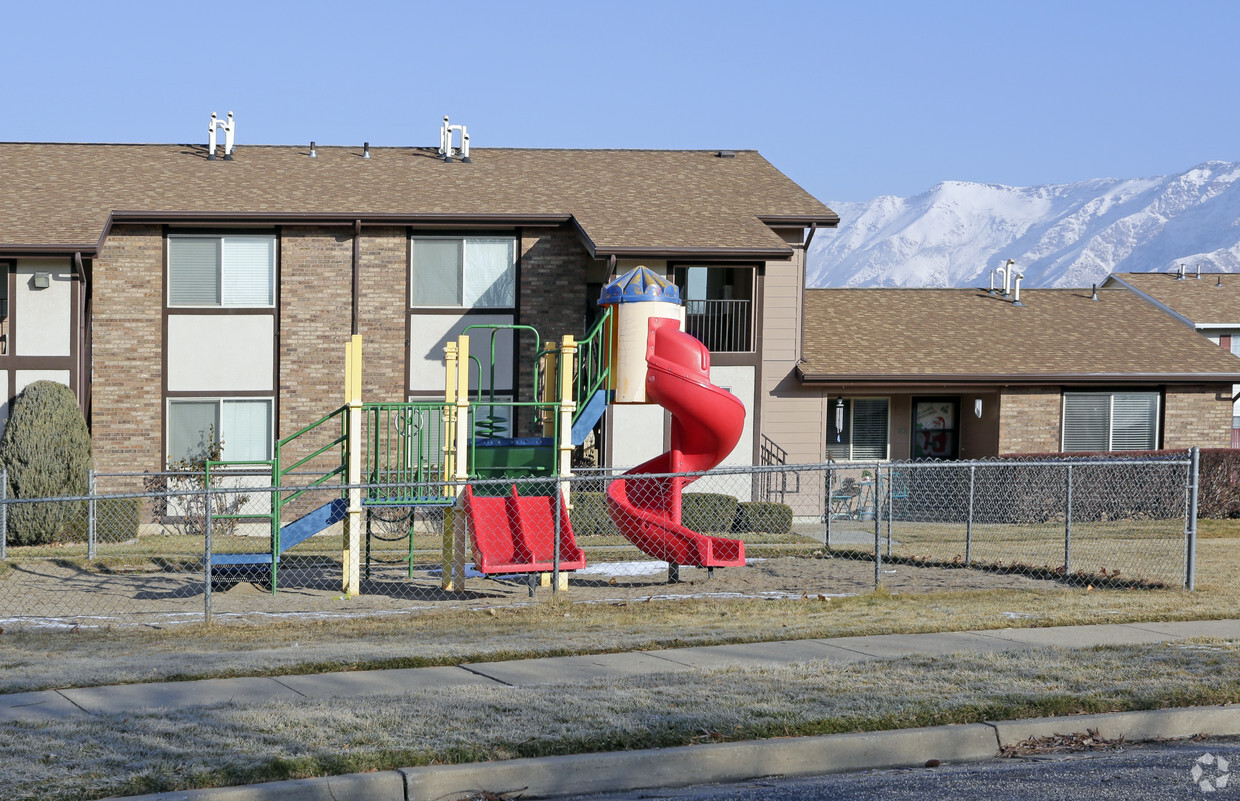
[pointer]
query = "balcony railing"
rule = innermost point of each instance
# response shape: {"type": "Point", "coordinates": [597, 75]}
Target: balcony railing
{"type": "Point", "coordinates": [721, 325]}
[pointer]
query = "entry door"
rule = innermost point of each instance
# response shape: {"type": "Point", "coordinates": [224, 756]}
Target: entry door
{"type": "Point", "coordinates": [936, 428]}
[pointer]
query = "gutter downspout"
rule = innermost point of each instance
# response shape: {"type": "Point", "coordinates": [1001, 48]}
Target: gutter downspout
{"type": "Point", "coordinates": [813, 229]}
{"type": "Point", "coordinates": [83, 323]}
{"type": "Point", "coordinates": [357, 275]}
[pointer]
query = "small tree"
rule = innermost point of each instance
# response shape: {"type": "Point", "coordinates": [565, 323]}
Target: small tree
{"type": "Point", "coordinates": [183, 503]}
{"type": "Point", "coordinates": [46, 450]}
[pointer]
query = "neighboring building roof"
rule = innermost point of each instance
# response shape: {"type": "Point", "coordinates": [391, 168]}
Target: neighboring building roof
{"type": "Point", "coordinates": [969, 336]}
{"type": "Point", "coordinates": [1213, 300]}
{"type": "Point", "coordinates": [63, 197]}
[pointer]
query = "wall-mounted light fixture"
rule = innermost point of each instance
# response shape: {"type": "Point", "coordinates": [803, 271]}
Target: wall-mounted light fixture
{"type": "Point", "coordinates": [42, 280]}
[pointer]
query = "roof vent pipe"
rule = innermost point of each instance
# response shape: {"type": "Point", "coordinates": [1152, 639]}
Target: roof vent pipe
{"type": "Point", "coordinates": [230, 128]}
{"type": "Point", "coordinates": [1220, 280]}
{"type": "Point", "coordinates": [1019, 277]}
{"type": "Point", "coordinates": [1179, 275]}
{"type": "Point", "coordinates": [365, 150]}
{"type": "Point", "coordinates": [1007, 269]}
{"type": "Point", "coordinates": [445, 142]}
{"type": "Point", "coordinates": [1094, 296]}
{"type": "Point", "coordinates": [313, 154]}
{"type": "Point", "coordinates": [1198, 272]}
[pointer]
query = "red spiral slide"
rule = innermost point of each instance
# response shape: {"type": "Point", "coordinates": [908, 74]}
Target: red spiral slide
{"type": "Point", "coordinates": [706, 425]}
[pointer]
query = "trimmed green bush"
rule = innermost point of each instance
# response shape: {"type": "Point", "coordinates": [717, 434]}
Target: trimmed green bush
{"type": "Point", "coordinates": [707, 512]}
{"type": "Point", "coordinates": [771, 518]}
{"type": "Point", "coordinates": [46, 450]}
{"type": "Point", "coordinates": [589, 515]}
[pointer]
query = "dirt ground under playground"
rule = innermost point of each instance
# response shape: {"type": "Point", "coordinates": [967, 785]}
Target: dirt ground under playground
{"type": "Point", "coordinates": [50, 593]}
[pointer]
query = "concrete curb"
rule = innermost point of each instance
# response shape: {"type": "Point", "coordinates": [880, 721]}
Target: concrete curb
{"type": "Point", "coordinates": [702, 764]}
{"type": "Point", "coordinates": [721, 762]}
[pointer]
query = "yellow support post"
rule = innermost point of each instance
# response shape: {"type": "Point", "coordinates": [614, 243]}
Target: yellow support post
{"type": "Point", "coordinates": [455, 531]}
{"type": "Point", "coordinates": [447, 545]}
{"type": "Point", "coordinates": [351, 557]}
{"type": "Point", "coordinates": [568, 405]}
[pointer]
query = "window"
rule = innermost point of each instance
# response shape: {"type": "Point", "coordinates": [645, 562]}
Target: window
{"type": "Point", "coordinates": [242, 424]}
{"type": "Point", "coordinates": [468, 272]}
{"type": "Point", "coordinates": [221, 271]}
{"type": "Point", "coordinates": [1110, 421]}
{"type": "Point", "coordinates": [863, 436]}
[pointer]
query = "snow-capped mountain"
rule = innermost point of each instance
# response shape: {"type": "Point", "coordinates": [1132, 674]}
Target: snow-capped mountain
{"type": "Point", "coordinates": [1063, 235]}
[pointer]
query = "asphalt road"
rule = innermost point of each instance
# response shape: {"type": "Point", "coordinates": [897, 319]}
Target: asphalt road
{"type": "Point", "coordinates": [1147, 772]}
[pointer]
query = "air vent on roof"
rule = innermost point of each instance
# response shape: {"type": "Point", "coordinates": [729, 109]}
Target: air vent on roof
{"type": "Point", "coordinates": [1094, 296]}
{"type": "Point", "coordinates": [1016, 290]}
{"type": "Point", "coordinates": [365, 150]}
{"type": "Point", "coordinates": [445, 142]}
{"type": "Point", "coordinates": [726, 154]}
{"type": "Point", "coordinates": [1006, 271]}
{"type": "Point", "coordinates": [313, 153]}
{"type": "Point", "coordinates": [1179, 273]}
{"type": "Point", "coordinates": [230, 129]}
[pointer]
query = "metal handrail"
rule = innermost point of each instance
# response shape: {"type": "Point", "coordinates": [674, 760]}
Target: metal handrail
{"type": "Point", "coordinates": [593, 367]}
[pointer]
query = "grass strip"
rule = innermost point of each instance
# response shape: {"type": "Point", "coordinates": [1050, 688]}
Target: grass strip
{"type": "Point", "coordinates": [176, 749]}
{"type": "Point", "coordinates": [41, 659]}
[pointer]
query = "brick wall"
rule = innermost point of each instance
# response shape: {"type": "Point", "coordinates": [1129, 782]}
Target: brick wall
{"type": "Point", "coordinates": [1197, 415]}
{"type": "Point", "coordinates": [316, 285]}
{"type": "Point", "coordinates": [551, 295]}
{"type": "Point", "coordinates": [382, 314]}
{"type": "Point", "coordinates": [127, 402]}
{"type": "Point", "coordinates": [1029, 420]}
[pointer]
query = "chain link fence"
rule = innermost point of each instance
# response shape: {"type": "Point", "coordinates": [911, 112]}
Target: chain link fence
{"type": "Point", "coordinates": [161, 549]}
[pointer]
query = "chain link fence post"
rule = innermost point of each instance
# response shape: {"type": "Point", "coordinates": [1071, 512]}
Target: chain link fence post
{"type": "Point", "coordinates": [826, 508]}
{"type": "Point", "coordinates": [1190, 527]}
{"type": "Point", "coordinates": [968, 521]}
{"type": "Point", "coordinates": [878, 526]}
{"type": "Point", "coordinates": [1067, 523]}
{"type": "Point", "coordinates": [206, 557]}
{"type": "Point", "coordinates": [90, 516]}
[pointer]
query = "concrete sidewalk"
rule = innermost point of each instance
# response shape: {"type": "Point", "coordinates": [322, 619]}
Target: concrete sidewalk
{"type": "Point", "coordinates": [63, 704]}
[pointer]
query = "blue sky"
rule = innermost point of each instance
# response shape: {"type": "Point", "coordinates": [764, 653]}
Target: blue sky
{"type": "Point", "coordinates": [852, 100]}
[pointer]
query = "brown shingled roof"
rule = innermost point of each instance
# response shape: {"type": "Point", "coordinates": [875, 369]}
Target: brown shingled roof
{"type": "Point", "coordinates": [624, 201]}
{"type": "Point", "coordinates": [1200, 301]}
{"type": "Point", "coordinates": [969, 336]}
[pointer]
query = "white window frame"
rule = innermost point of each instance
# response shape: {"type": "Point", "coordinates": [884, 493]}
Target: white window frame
{"type": "Point", "coordinates": [464, 240]}
{"type": "Point", "coordinates": [1110, 394]}
{"type": "Point", "coordinates": [852, 413]}
{"type": "Point", "coordinates": [219, 401]}
{"type": "Point", "coordinates": [270, 239]}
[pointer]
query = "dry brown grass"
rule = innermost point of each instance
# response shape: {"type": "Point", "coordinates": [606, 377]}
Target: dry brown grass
{"type": "Point", "coordinates": [172, 749]}
{"type": "Point", "coordinates": [555, 625]}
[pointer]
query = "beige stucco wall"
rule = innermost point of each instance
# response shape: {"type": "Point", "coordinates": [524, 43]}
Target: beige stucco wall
{"type": "Point", "coordinates": [220, 353]}
{"type": "Point", "coordinates": [428, 333]}
{"type": "Point", "coordinates": [45, 325]}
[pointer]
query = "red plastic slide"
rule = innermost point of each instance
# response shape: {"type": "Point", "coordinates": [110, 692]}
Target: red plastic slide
{"type": "Point", "coordinates": [706, 425]}
{"type": "Point", "coordinates": [516, 534]}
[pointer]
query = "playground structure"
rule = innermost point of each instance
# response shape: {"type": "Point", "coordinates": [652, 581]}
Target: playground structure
{"type": "Point", "coordinates": [448, 455]}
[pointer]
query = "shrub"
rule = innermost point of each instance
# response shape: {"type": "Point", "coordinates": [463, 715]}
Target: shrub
{"type": "Point", "coordinates": [183, 503]}
{"type": "Point", "coordinates": [46, 450]}
{"type": "Point", "coordinates": [707, 511]}
{"type": "Point", "coordinates": [1219, 494]}
{"type": "Point", "coordinates": [772, 518]}
{"type": "Point", "coordinates": [589, 515]}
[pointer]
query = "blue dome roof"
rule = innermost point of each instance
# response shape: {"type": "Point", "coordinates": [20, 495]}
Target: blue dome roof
{"type": "Point", "coordinates": [637, 286]}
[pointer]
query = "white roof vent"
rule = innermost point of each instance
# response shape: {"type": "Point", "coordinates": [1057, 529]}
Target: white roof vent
{"type": "Point", "coordinates": [230, 128]}
{"type": "Point", "coordinates": [445, 142]}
